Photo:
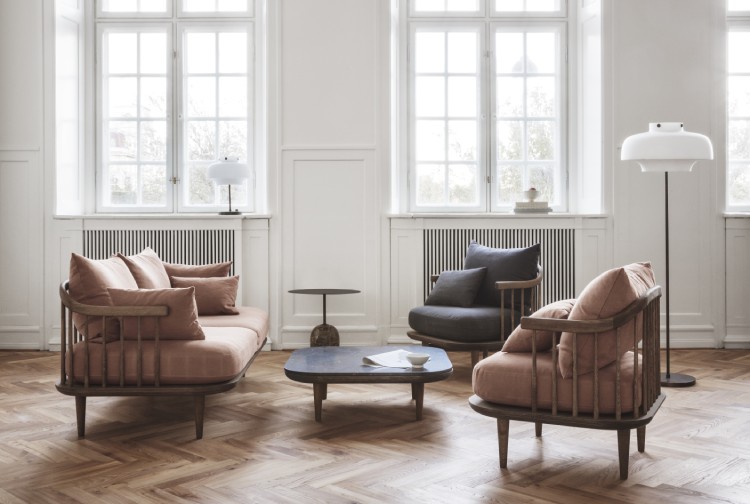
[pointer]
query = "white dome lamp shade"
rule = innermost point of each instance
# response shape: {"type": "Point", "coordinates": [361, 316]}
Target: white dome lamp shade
{"type": "Point", "coordinates": [667, 147]}
{"type": "Point", "coordinates": [228, 172]}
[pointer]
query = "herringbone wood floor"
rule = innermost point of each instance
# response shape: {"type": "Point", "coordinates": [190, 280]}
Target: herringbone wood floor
{"type": "Point", "coordinates": [262, 445]}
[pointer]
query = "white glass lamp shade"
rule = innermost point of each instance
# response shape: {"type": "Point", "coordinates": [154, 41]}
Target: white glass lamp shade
{"type": "Point", "coordinates": [666, 147]}
{"type": "Point", "coordinates": [227, 172]}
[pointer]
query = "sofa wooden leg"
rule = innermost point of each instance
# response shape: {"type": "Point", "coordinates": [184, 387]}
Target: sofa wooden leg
{"type": "Point", "coordinates": [640, 433]}
{"type": "Point", "coordinates": [623, 450]}
{"type": "Point", "coordinates": [538, 429]}
{"type": "Point", "coordinates": [81, 415]}
{"type": "Point", "coordinates": [474, 358]}
{"type": "Point", "coordinates": [502, 439]}
{"type": "Point", "coordinates": [200, 406]}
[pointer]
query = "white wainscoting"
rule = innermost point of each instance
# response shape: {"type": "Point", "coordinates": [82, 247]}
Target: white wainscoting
{"type": "Point", "coordinates": [330, 239]}
{"type": "Point", "coordinates": [738, 283]}
{"type": "Point", "coordinates": [21, 248]}
{"type": "Point", "coordinates": [591, 244]}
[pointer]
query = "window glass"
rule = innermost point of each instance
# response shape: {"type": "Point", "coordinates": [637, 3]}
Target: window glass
{"type": "Point", "coordinates": [738, 119]}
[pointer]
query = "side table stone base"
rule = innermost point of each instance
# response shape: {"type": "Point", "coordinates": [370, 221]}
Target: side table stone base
{"type": "Point", "coordinates": [324, 335]}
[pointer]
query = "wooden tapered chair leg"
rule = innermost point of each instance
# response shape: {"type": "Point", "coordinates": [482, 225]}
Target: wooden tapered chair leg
{"type": "Point", "coordinates": [640, 433]}
{"type": "Point", "coordinates": [474, 358]}
{"type": "Point", "coordinates": [200, 404]}
{"type": "Point", "coordinates": [502, 439]}
{"type": "Point", "coordinates": [623, 451]}
{"type": "Point", "coordinates": [81, 415]}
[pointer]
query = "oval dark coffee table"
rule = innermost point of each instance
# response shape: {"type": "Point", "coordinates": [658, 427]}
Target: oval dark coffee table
{"type": "Point", "coordinates": [324, 334]}
{"type": "Point", "coordinates": [323, 365]}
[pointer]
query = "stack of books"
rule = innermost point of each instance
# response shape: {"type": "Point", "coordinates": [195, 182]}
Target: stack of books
{"type": "Point", "coordinates": [532, 207]}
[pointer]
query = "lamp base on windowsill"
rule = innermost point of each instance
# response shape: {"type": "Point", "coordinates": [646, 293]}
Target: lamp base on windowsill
{"type": "Point", "coordinates": [677, 380]}
{"type": "Point", "coordinates": [232, 212]}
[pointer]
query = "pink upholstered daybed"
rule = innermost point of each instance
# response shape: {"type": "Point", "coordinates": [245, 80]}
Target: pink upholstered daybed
{"type": "Point", "coordinates": [165, 329]}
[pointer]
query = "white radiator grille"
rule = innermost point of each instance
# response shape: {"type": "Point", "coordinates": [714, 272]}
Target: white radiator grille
{"type": "Point", "coordinates": [445, 249]}
{"type": "Point", "coordinates": [182, 246]}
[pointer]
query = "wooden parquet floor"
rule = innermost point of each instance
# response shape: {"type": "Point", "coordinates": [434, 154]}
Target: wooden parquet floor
{"type": "Point", "coordinates": [262, 444]}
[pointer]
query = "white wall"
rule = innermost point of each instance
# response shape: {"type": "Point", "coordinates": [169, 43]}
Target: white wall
{"type": "Point", "coordinates": [328, 172]}
{"type": "Point", "coordinates": [666, 63]}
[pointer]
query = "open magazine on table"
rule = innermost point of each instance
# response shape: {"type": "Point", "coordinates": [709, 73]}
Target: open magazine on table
{"type": "Point", "coordinates": [394, 359]}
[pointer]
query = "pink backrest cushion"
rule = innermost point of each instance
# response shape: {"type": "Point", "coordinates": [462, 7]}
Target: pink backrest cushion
{"type": "Point", "coordinates": [203, 270]}
{"type": "Point", "coordinates": [89, 280]}
{"type": "Point", "coordinates": [606, 295]}
{"type": "Point", "coordinates": [181, 323]}
{"type": "Point", "coordinates": [147, 269]}
{"type": "Point", "coordinates": [520, 339]}
{"type": "Point", "coordinates": [213, 295]}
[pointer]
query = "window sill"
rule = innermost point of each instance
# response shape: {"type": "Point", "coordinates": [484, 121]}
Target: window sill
{"type": "Point", "coordinates": [505, 215]}
{"type": "Point", "coordinates": [175, 217]}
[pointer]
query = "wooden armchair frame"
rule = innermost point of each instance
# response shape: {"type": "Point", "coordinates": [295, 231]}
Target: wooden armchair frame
{"type": "Point", "coordinates": [643, 411]}
{"type": "Point", "coordinates": [82, 387]}
{"type": "Point", "coordinates": [507, 289]}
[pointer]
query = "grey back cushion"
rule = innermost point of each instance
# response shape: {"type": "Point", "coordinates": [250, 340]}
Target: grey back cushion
{"type": "Point", "coordinates": [511, 264]}
{"type": "Point", "coordinates": [456, 288]}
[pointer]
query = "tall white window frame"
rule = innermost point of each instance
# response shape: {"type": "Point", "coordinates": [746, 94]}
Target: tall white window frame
{"type": "Point", "coordinates": [183, 175]}
{"type": "Point", "coordinates": [486, 21]}
{"type": "Point", "coordinates": [738, 107]}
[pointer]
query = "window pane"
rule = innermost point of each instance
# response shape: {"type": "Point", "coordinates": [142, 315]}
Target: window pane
{"type": "Point", "coordinates": [462, 185]}
{"type": "Point", "coordinates": [738, 142]}
{"type": "Point", "coordinates": [200, 189]}
{"type": "Point", "coordinates": [201, 140]}
{"type": "Point", "coordinates": [462, 5]}
{"type": "Point", "coordinates": [542, 178]}
{"type": "Point", "coordinates": [509, 140]}
{"type": "Point", "coordinates": [232, 6]}
{"type": "Point", "coordinates": [429, 95]}
{"type": "Point", "coordinates": [509, 53]}
{"type": "Point", "coordinates": [123, 184]}
{"type": "Point", "coordinates": [233, 139]}
{"type": "Point", "coordinates": [153, 53]}
{"type": "Point", "coordinates": [738, 184]}
{"type": "Point", "coordinates": [430, 144]}
{"type": "Point", "coordinates": [462, 97]}
{"type": "Point", "coordinates": [122, 94]}
{"type": "Point", "coordinates": [122, 52]}
{"type": "Point", "coordinates": [429, 52]}
{"type": "Point", "coordinates": [509, 96]}
{"type": "Point", "coordinates": [446, 5]}
{"type": "Point", "coordinates": [509, 183]}
{"type": "Point", "coordinates": [153, 141]}
{"type": "Point", "coordinates": [154, 97]}
{"type": "Point", "coordinates": [462, 140]}
{"type": "Point", "coordinates": [233, 53]}
{"type": "Point", "coordinates": [737, 49]}
{"type": "Point", "coordinates": [541, 140]}
{"type": "Point", "coordinates": [540, 101]}
{"type": "Point", "coordinates": [154, 180]}
{"type": "Point", "coordinates": [738, 5]}
{"type": "Point", "coordinates": [215, 5]}
{"type": "Point", "coordinates": [201, 97]}
{"type": "Point", "coordinates": [527, 5]}
{"type": "Point", "coordinates": [153, 6]}
{"type": "Point", "coordinates": [122, 141]}
{"type": "Point", "coordinates": [201, 53]}
{"type": "Point", "coordinates": [233, 96]}
{"type": "Point", "coordinates": [430, 185]}
{"type": "Point", "coordinates": [541, 52]}
{"type": "Point", "coordinates": [462, 52]}
{"type": "Point", "coordinates": [119, 5]}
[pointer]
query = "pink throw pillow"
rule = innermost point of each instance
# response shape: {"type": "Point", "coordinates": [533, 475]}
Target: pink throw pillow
{"type": "Point", "coordinates": [214, 295]}
{"type": "Point", "coordinates": [89, 280]}
{"type": "Point", "coordinates": [221, 269]}
{"type": "Point", "coordinates": [147, 269]}
{"type": "Point", "coordinates": [181, 322]}
{"type": "Point", "coordinates": [520, 339]}
{"type": "Point", "coordinates": [606, 295]}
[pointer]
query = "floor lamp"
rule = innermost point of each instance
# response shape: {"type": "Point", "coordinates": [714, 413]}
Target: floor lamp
{"type": "Point", "coordinates": [667, 147]}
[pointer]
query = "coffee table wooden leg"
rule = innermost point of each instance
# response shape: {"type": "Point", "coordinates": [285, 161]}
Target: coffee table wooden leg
{"type": "Point", "coordinates": [417, 393]}
{"type": "Point", "coordinates": [320, 392]}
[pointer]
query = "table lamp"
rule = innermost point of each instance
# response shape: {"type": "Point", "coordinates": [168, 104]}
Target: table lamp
{"type": "Point", "coordinates": [664, 148]}
{"type": "Point", "coordinates": [227, 172]}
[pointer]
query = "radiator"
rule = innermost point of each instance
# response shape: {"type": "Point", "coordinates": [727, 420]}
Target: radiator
{"type": "Point", "coordinates": [445, 249]}
{"type": "Point", "coordinates": [182, 246]}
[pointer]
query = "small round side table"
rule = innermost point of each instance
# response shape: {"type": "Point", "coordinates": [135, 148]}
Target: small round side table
{"type": "Point", "coordinates": [324, 334]}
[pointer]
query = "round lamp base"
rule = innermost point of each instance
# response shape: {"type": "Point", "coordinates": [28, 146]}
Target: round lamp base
{"type": "Point", "coordinates": [324, 335]}
{"type": "Point", "coordinates": [677, 380]}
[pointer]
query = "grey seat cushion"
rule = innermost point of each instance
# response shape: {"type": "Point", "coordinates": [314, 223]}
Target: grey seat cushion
{"type": "Point", "coordinates": [471, 324]}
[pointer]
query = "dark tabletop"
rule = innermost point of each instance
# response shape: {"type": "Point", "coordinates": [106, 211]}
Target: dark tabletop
{"type": "Point", "coordinates": [344, 365]}
{"type": "Point", "coordinates": [323, 291]}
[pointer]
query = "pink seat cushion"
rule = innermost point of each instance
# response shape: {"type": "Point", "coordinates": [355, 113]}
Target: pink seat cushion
{"type": "Point", "coordinates": [505, 378]}
{"type": "Point", "coordinates": [220, 357]}
{"type": "Point", "coordinates": [249, 317]}
{"type": "Point", "coordinates": [606, 295]}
